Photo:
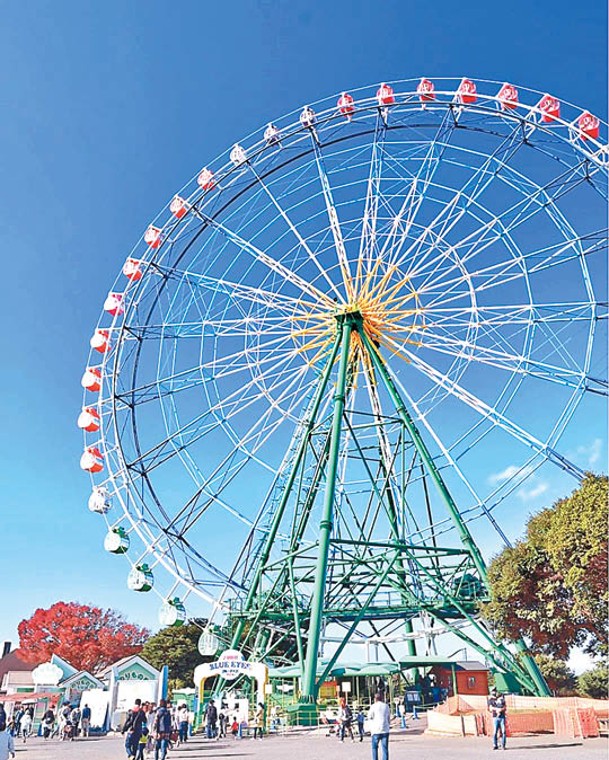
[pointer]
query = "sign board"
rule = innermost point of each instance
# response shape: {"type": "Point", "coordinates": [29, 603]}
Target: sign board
{"type": "Point", "coordinates": [47, 674]}
{"type": "Point", "coordinates": [229, 665]}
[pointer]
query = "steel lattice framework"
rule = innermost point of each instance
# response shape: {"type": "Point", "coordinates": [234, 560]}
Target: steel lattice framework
{"type": "Point", "coordinates": [334, 338]}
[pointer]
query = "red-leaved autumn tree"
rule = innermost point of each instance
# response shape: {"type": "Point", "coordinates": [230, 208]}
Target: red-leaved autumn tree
{"type": "Point", "coordinates": [89, 638]}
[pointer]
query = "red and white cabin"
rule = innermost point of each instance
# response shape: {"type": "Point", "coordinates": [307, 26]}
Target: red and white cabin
{"type": "Point", "coordinates": [92, 460]}
{"type": "Point", "coordinates": [152, 236]}
{"type": "Point", "coordinates": [508, 97]}
{"type": "Point", "coordinates": [100, 341]}
{"type": "Point", "coordinates": [88, 419]}
{"type": "Point", "coordinates": [346, 105]}
{"type": "Point", "coordinates": [91, 380]}
{"type": "Point", "coordinates": [178, 207]}
{"type": "Point", "coordinates": [206, 180]}
{"type": "Point", "coordinates": [467, 91]}
{"type": "Point", "coordinates": [132, 269]}
{"type": "Point", "coordinates": [589, 126]}
{"type": "Point", "coordinates": [114, 304]}
{"type": "Point", "coordinates": [384, 95]}
{"type": "Point", "coordinates": [549, 107]}
{"type": "Point", "coordinates": [426, 91]}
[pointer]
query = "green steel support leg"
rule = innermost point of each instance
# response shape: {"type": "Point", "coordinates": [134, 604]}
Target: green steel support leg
{"type": "Point", "coordinates": [528, 662]}
{"type": "Point", "coordinates": [287, 491]}
{"type": "Point", "coordinates": [309, 687]}
{"type": "Point", "coordinates": [422, 451]}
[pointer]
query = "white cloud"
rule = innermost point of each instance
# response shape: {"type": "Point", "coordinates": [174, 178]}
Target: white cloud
{"type": "Point", "coordinates": [589, 455]}
{"type": "Point", "coordinates": [507, 474]}
{"type": "Point", "coordinates": [536, 489]}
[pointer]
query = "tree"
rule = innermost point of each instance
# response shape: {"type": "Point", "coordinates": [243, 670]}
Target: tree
{"type": "Point", "coordinates": [89, 638]}
{"type": "Point", "coordinates": [595, 682]}
{"type": "Point", "coordinates": [558, 675]}
{"type": "Point", "coordinates": [176, 648]}
{"type": "Point", "coordinates": [552, 586]}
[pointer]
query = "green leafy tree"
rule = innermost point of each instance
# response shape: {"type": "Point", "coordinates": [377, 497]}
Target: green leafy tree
{"type": "Point", "coordinates": [558, 675]}
{"type": "Point", "coordinates": [552, 586]}
{"type": "Point", "coordinates": [176, 648]}
{"type": "Point", "coordinates": [595, 682]}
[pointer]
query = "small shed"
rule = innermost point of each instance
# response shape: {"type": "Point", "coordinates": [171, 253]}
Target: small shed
{"type": "Point", "coordinates": [464, 677]}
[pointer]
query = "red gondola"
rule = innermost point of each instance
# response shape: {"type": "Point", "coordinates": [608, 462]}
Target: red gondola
{"type": "Point", "coordinates": [92, 460]}
{"type": "Point", "coordinates": [91, 380]}
{"type": "Point", "coordinates": [100, 341]}
{"type": "Point", "coordinates": [426, 91]}
{"type": "Point", "coordinates": [206, 180]}
{"type": "Point", "coordinates": [132, 269]}
{"type": "Point", "coordinates": [178, 207]}
{"type": "Point", "coordinates": [589, 126]}
{"type": "Point", "coordinates": [467, 91]}
{"type": "Point", "coordinates": [549, 107]}
{"type": "Point", "coordinates": [346, 105]}
{"type": "Point", "coordinates": [152, 236]}
{"type": "Point", "coordinates": [114, 304]}
{"type": "Point", "coordinates": [385, 95]}
{"type": "Point", "coordinates": [88, 419]}
{"type": "Point", "coordinates": [508, 97]}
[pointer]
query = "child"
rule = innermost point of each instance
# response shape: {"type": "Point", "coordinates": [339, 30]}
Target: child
{"type": "Point", "coordinates": [234, 728]}
{"type": "Point", "coordinates": [360, 723]}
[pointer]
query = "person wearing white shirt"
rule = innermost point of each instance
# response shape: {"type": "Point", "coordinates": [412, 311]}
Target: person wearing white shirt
{"type": "Point", "coordinates": [379, 725]}
{"type": "Point", "coordinates": [7, 744]}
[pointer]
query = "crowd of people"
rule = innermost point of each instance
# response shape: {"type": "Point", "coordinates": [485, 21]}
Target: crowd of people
{"type": "Point", "coordinates": [149, 728]}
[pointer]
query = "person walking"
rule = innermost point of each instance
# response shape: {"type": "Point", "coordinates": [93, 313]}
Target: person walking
{"type": "Point", "coordinates": [85, 720]}
{"type": "Point", "coordinates": [75, 717]}
{"type": "Point", "coordinates": [259, 721]}
{"type": "Point", "coordinates": [379, 717]}
{"type": "Point", "coordinates": [7, 743]}
{"type": "Point", "coordinates": [360, 718]}
{"type": "Point", "coordinates": [498, 709]}
{"type": "Point", "coordinates": [345, 717]}
{"type": "Point", "coordinates": [48, 723]}
{"type": "Point", "coordinates": [182, 719]}
{"type": "Point", "coordinates": [211, 718]}
{"type": "Point", "coordinates": [26, 725]}
{"type": "Point", "coordinates": [136, 719]}
{"type": "Point", "coordinates": [162, 730]}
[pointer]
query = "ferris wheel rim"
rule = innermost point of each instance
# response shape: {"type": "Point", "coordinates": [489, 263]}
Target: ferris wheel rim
{"type": "Point", "coordinates": [151, 262]}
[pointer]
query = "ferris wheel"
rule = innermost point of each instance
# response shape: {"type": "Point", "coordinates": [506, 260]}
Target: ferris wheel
{"type": "Point", "coordinates": [340, 352]}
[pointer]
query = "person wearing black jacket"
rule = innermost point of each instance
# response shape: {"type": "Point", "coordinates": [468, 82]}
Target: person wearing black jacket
{"type": "Point", "coordinates": [136, 720]}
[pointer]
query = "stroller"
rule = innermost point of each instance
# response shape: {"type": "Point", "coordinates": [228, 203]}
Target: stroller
{"type": "Point", "coordinates": [67, 731]}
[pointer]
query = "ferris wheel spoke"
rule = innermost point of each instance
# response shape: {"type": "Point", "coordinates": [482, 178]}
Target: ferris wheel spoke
{"type": "Point", "coordinates": [275, 266]}
{"type": "Point", "coordinates": [312, 257]}
{"type": "Point", "coordinates": [213, 417]}
{"type": "Point", "coordinates": [483, 409]}
{"type": "Point", "coordinates": [466, 196]}
{"type": "Point", "coordinates": [371, 203]}
{"type": "Point", "coordinates": [480, 505]}
{"type": "Point", "coordinates": [339, 243]}
{"type": "Point", "coordinates": [420, 184]}
{"type": "Point", "coordinates": [513, 363]}
{"type": "Point", "coordinates": [239, 291]}
{"type": "Point", "coordinates": [520, 267]}
{"type": "Point", "coordinates": [536, 198]}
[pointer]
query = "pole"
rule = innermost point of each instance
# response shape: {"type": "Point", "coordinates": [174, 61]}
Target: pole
{"type": "Point", "coordinates": [309, 685]}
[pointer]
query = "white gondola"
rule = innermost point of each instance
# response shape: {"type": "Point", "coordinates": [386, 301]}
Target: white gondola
{"type": "Point", "coordinates": [307, 117]}
{"type": "Point", "coordinates": [140, 578]}
{"type": "Point", "coordinates": [99, 501]}
{"type": "Point", "coordinates": [272, 135]}
{"type": "Point", "coordinates": [116, 541]}
{"type": "Point", "coordinates": [172, 613]}
{"type": "Point", "coordinates": [238, 155]}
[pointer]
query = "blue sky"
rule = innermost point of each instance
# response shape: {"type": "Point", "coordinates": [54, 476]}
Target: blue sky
{"type": "Point", "coordinates": [107, 109]}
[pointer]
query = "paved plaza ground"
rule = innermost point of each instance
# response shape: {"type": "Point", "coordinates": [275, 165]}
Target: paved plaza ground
{"type": "Point", "coordinates": [313, 745]}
